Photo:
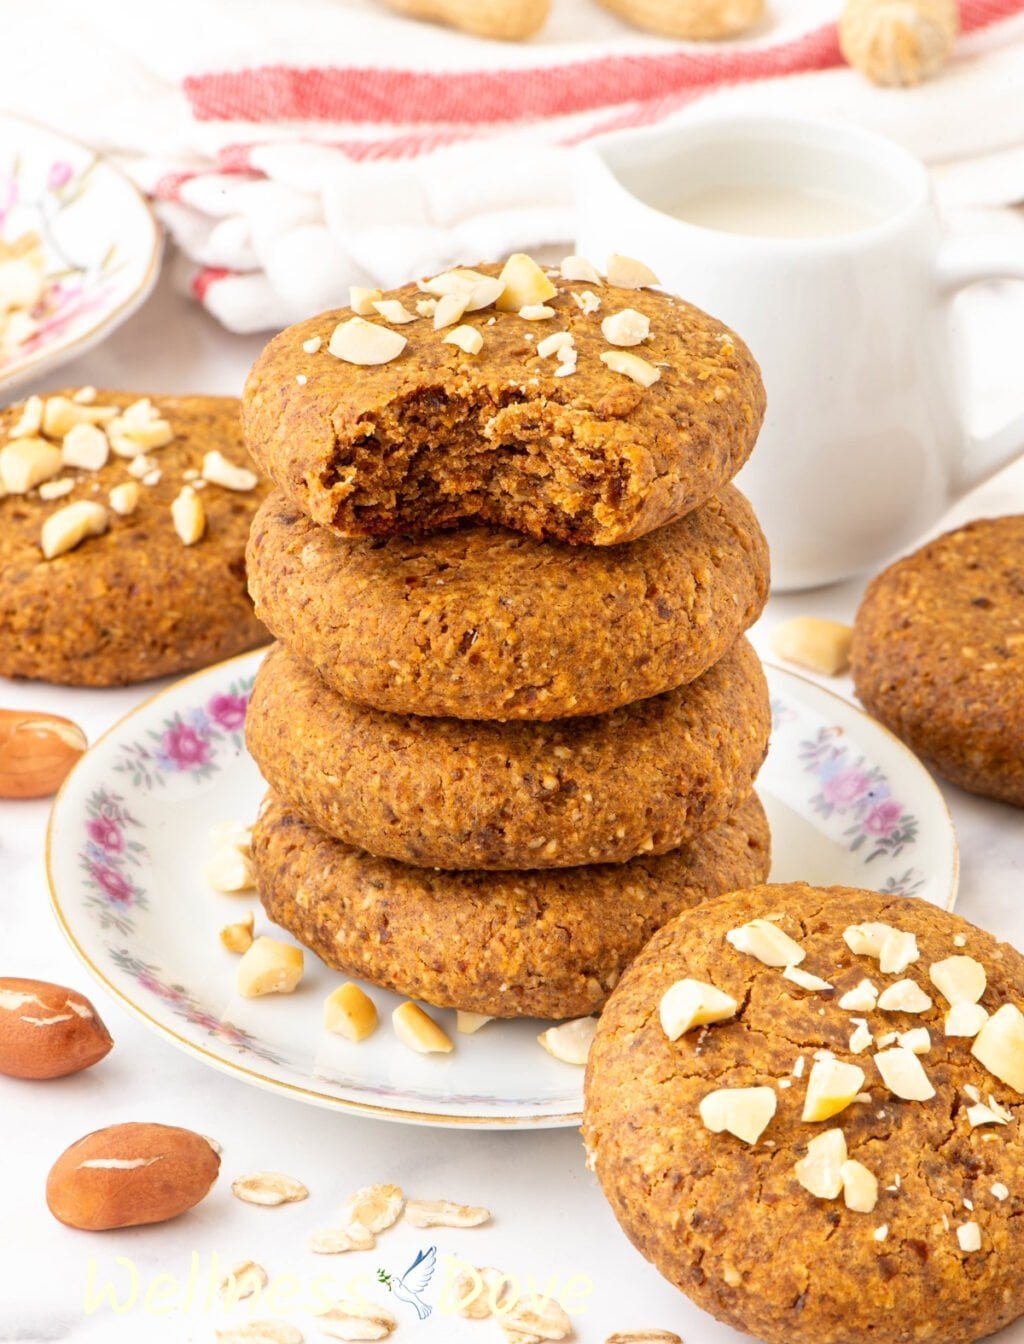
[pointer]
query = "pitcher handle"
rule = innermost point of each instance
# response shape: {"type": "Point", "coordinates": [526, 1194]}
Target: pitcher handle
{"type": "Point", "coordinates": [965, 262]}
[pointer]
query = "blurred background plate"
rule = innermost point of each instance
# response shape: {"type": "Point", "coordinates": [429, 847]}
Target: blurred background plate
{"type": "Point", "coordinates": [79, 250]}
{"type": "Point", "coordinates": [130, 833]}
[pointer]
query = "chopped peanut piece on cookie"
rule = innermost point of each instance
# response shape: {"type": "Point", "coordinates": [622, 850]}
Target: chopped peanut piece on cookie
{"type": "Point", "coordinates": [56, 489]}
{"type": "Point", "coordinates": [744, 1112]}
{"type": "Point", "coordinates": [69, 526]}
{"type": "Point", "coordinates": [627, 327]}
{"type": "Point", "coordinates": [628, 273]}
{"type": "Point", "coordinates": [863, 998]}
{"type": "Point", "coordinates": [999, 1046]}
{"type": "Point", "coordinates": [764, 940]}
{"type": "Point", "coordinates": [965, 1019]}
{"type": "Point", "coordinates": [450, 308]}
{"type": "Point", "coordinates": [124, 498]}
{"type": "Point", "coordinates": [862, 1037]}
{"type": "Point", "coordinates": [350, 1012]}
{"type": "Point", "coordinates": [831, 1087]}
{"type": "Point", "coordinates": [85, 446]}
{"type": "Point", "coordinates": [811, 642]}
{"type": "Point", "coordinates": [536, 312]}
{"type": "Point", "coordinates": [468, 339]}
{"type": "Point", "coordinates": [905, 996]}
{"type": "Point", "coordinates": [860, 1187]}
{"type": "Point", "coordinates": [903, 1074]}
{"type": "Point", "coordinates": [805, 979]}
{"type": "Point", "coordinates": [524, 283]}
{"type": "Point", "coordinates": [312, 345]}
{"type": "Point", "coordinates": [394, 311]}
{"type": "Point", "coordinates": [555, 344]}
{"type": "Point", "coordinates": [959, 979]}
{"type": "Point", "coordinates": [918, 1040]}
{"type": "Point", "coordinates": [579, 268]}
{"type": "Point", "coordinates": [26, 463]}
{"type": "Point", "coordinates": [362, 300]}
{"type": "Point", "coordinates": [692, 1003]}
{"type": "Point", "coordinates": [188, 515]}
{"type": "Point", "coordinates": [821, 1171]}
{"type": "Point", "coordinates": [968, 1236]}
{"type": "Point", "coordinates": [634, 368]}
{"type": "Point", "coordinates": [269, 967]}
{"type": "Point", "coordinates": [219, 471]}
{"type": "Point", "coordinates": [360, 342]}
{"type": "Point", "coordinates": [865, 940]}
{"type": "Point", "coordinates": [30, 421]}
{"type": "Point", "coordinates": [570, 1041]}
{"type": "Point", "coordinates": [898, 951]}
{"type": "Point", "coordinates": [419, 1031]}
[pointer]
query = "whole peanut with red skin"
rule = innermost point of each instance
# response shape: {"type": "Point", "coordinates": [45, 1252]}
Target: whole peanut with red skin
{"type": "Point", "coordinates": [47, 1031]}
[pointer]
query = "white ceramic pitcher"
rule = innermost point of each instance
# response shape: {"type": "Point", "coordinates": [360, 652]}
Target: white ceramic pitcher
{"type": "Point", "coordinates": [864, 444]}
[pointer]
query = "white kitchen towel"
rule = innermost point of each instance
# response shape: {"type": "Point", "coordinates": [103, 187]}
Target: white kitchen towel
{"type": "Point", "coordinates": [295, 147]}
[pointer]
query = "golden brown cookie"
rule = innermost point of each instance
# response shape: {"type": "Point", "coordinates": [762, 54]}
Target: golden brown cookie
{"type": "Point", "coordinates": [938, 655]}
{"type": "Point", "coordinates": [916, 1242]}
{"type": "Point", "coordinates": [437, 436]}
{"type": "Point", "coordinates": [134, 602]}
{"type": "Point", "coordinates": [482, 623]}
{"type": "Point", "coordinates": [541, 944]}
{"type": "Point", "coordinates": [452, 793]}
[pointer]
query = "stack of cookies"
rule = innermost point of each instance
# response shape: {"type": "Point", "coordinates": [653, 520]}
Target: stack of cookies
{"type": "Point", "coordinates": [512, 726]}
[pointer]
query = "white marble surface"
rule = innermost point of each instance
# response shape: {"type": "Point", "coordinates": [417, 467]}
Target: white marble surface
{"type": "Point", "coordinates": [549, 1215]}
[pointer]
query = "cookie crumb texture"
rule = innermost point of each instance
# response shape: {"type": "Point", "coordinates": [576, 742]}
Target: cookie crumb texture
{"type": "Point", "coordinates": [482, 623]}
{"type": "Point", "coordinates": [453, 794]}
{"type": "Point", "coordinates": [132, 603]}
{"type": "Point", "coordinates": [436, 437]}
{"type": "Point", "coordinates": [543, 944]}
{"type": "Point", "coordinates": [938, 655]}
{"type": "Point", "coordinates": [712, 1212]}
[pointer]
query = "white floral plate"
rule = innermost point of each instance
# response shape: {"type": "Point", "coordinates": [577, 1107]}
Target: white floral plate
{"type": "Point", "coordinates": [130, 833]}
{"type": "Point", "coordinates": [85, 243]}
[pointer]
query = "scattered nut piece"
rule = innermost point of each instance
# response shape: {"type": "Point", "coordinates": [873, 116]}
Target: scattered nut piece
{"type": "Point", "coordinates": [861, 1038]}
{"type": "Point", "coordinates": [444, 1213]}
{"type": "Point", "coordinates": [524, 284]}
{"type": "Point", "coordinates": [139, 428]}
{"type": "Point", "coordinates": [904, 996]}
{"type": "Point", "coordinates": [831, 1087]}
{"type": "Point", "coordinates": [230, 870]}
{"type": "Point", "coordinates": [362, 300]}
{"type": "Point", "coordinates": [555, 343]}
{"type": "Point", "coordinates": [356, 1319]}
{"type": "Point", "coordinates": [470, 1023]}
{"type": "Point", "coordinates": [141, 466]}
{"type": "Point", "coordinates": [570, 1041]}
{"type": "Point", "coordinates": [61, 414]}
{"type": "Point", "coordinates": [999, 1046]}
{"type": "Point", "coordinates": [587, 302]}
{"type": "Point", "coordinates": [71, 525]}
{"type": "Point", "coordinates": [313, 344]}
{"type": "Point", "coordinates": [450, 309]}
{"type": "Point", "coordinates": [395, 311]}
{"type": "Point", "coordinates": [426, 307]}
{"type": "Point", "coordinates": [338, 1240]}
{"type": "Point", "coordinates": [153, 478]}
{"type": "Point", "coordinates": [805, 980]}
{"type": "Point", "coordinates": [764, 940]}
{"type": "Point", "coordinates": [219, 471]}
{"type": "Point", "coordinates": [47, 1031]}
{"type": "Point", "coordinates": [26, 463]}
{"type": "Point", "coordinates": [419, 1031]}
{"type": "Point", "coordinates": [124, 498]}
{"type": "Point", "coordinates": [959, 979]}
{"type": "Point", "coordinates": [56, 489]}
{"type": "Point", "coordinates": [468, 339]}
{"type": "Point", "coordinates": [918, 1040]}
{"type": "Point", "coordinates": [579, 268]}
{"type": "Point", "coordinates": [269, 1189]}
{"type": "Point", "coordinates": [969, 1237]}
{"type": "Point", "coordinates": [898, 42]}
{"type": "Point", "coordinates": [261, 1332]}
{"type": "Point", "coordinates": [245, 1279]}
{"type": "Point", "coordinates": [693, 1003]}
{"type": "Point", "coordinates": [350, 1012]}
{"type": "Point", "coordinates": [30, 421]}
{"type": "Point", "coordinates": [238, 937]}
{"type": "Point", "coordinates": [374, 1207]}
{"type": "Point", "coordinates": [865, 940]}
{"type": "Point", "coordinates": [965, 1019]}
{"type": "Point", "coordinates": [269, 967]}
{"type": "Point", "coordinates": [85, 446]}
{"type": "Point", "coordinates": [567, 359]}
{"type": "Point", "coordinates": [634, 368]}
{"type": "Point", "coordinates": [1000, 1191]}
{"type": "Point", "coordinates": [821, 1171]}
{"type": "Point", "coordinates": [365, 343]}
{"type": "Point", "coordinates": [898, 951]}
{"type": "Point", "coordinates": [903, 1074]}
{"type": "Point", "coordinates": [473, 287]}
{"type": "Point", "coordinates": [811, 642]}
{"type": "Point", "coordinates": [85, 396]}
{"type": "Point", "coordinates": [628, 273]}
{"type": "Point", "coordinates": [860, 1187]}
{"type": "Point", "coordinates": [188, 515]}
{"type": "Point", "coordinates": [979, 1114]}
{"type": "Point", "coordinates": [627, 327]}
{"type": "Point", "coordinates": [536, 312]}
{"type": "Point", "coordinates": [744, 1112]}
{"type": "Point", "coordinates": [863, 998]}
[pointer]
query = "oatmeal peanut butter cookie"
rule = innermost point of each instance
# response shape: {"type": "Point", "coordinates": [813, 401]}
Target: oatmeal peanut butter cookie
{"type": "Point", "coordinates": [834, 1072]}
{"type": "Point", "coordinates": [481, 623]}
{"type": "Point", "coordinates": [531, 944]}
{"type": "Point", "coordinates": [123, 523]}
{"type": "Point", "coordinates": [452, 793]}
{"type": "Point", "coordinates": [938, 655]}
{"type": "Point", "coordinates": [584, 410]}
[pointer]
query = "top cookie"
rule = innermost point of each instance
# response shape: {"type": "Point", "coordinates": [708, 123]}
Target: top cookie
{"type": "Point", "coordinates": [852, 1100]}
{"type": "Point", "coordinates": [938, 655]}
{"type": "Point", "coordinates": [538, 430]}
{"type": "Point", "coordinates": [123, 522]}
